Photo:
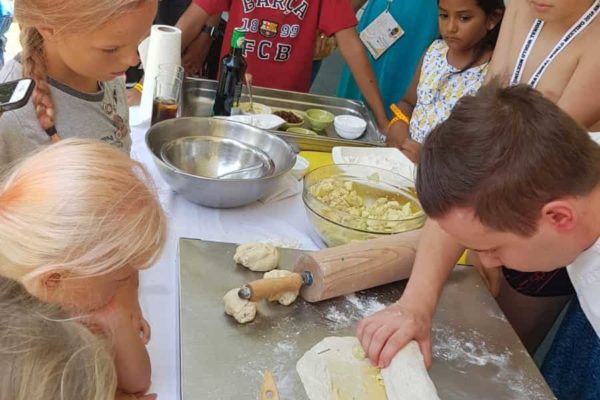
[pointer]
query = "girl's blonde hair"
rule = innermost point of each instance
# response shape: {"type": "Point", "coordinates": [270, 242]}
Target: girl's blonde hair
{"type": "Point", "coordinates": [45, 356]}
{"type": "Point", "coordinates": [69, 16]}
{"type": "Point", "coordinates": [79, 205]}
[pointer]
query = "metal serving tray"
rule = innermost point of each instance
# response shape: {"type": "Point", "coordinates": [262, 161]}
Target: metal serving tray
{"type": "Point", "coordinates": [477, 354]}
{"type": "Point", "coordinates": [199, 95]}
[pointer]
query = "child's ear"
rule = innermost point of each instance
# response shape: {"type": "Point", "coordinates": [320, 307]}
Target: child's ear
{"type": "Point", "coordinates": [46, 286]}
{"type": "Point", "coordinates": [560, 215]}
{"type": "Point", "coordinates": [47, 33]}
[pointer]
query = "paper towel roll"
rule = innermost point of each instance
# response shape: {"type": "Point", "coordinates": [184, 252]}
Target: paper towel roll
{"type": "Point", "coordinates": [164, 47]}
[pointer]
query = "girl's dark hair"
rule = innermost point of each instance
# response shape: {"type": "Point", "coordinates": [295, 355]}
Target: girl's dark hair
{"type": "Point", "coordinates": [488, 42]}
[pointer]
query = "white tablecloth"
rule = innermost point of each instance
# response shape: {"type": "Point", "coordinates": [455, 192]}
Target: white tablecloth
{"type": "Point", "coordinates": [284, 220]}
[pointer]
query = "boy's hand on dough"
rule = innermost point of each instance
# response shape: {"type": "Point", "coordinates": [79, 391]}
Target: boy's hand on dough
{"type": "Point", "coordinates": [386, 332]}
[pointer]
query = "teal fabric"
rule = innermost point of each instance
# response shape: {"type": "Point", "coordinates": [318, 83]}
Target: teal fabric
{"type": "Point", "coordinates": [396, 67]}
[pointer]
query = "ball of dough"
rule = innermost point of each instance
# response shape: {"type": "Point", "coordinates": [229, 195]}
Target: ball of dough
{"type": "Point", "coordinates": [260, 257]}
{"type": "Point", "coordinates": [242, 310]}
{"type": "Point", "coordinates": [285, 298]}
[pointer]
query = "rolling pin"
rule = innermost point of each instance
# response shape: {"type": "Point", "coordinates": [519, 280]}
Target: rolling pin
{"type": "Point", "coordinates": [342, 270]}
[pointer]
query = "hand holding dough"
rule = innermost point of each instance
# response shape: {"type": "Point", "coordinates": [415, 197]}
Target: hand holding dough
{"type": "Point", "coordinates": [286, 298]}
{"type": "Point", "coordinates": [260, 257]}
{"type": "Point", "coordinates": [242, 310]}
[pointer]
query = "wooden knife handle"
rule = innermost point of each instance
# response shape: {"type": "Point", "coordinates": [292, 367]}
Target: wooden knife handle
{"type": "Point", "coordinates": [273, 287]}
{"type": "Point", "coordinates": [268, 390]}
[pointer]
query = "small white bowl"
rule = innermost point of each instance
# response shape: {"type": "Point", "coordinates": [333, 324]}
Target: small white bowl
{"type": "Point", "coordinates": [349, 126]}
{"type": "Point", "coordinates": [300, 168]}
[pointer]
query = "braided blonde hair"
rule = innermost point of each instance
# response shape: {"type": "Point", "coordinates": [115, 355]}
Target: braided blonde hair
{"type": "Point", "coordinates": [43, 355]}
{"type": "Point", "coordinates": [62, 16]}
{"type": "Point", "coordinates": [79, 205]}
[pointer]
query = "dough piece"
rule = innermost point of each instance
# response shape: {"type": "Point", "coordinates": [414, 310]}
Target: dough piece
{"type": "Point", "coordinates": [242, 310]}
{"type": "Point", "coordinates": [406, 378]}
{"type": "Point", "coordinates": [336, 368]}
{"type": "Point", "coordinates": [260, 257]}
{"type": "Point", "coordinates": [286, 298]}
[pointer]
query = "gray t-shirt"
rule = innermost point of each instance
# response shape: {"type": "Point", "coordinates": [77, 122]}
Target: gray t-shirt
{"type": "Point", "coordinates": [103, 115]}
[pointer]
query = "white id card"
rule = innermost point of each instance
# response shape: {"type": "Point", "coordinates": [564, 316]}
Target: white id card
{"type": "Point", "coordinates": [381, 34]}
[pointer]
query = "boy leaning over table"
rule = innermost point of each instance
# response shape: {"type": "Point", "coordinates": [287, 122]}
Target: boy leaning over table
{"type": "Point", "coordinates": [280, 41]}
{"type": "Point", "coordinates": [514, 178]}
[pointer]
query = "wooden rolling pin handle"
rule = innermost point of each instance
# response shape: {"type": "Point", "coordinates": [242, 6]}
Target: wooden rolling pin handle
{"type": "Point", "coordinates": [271, 287]}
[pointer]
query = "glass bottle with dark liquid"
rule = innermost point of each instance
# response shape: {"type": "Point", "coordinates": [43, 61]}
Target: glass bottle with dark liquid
{"type": "Point", "coordinates": [233, 67]}
{"type": "Point", "coordinates": [163, 109]}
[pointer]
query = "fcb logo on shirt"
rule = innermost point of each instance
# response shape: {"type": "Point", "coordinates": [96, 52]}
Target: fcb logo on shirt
{"type": "Point", "coordinates": [268, 28]}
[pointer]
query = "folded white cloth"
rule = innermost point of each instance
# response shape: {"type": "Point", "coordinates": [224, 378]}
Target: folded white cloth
{"type": "Point", "coordinates": [287, 186]}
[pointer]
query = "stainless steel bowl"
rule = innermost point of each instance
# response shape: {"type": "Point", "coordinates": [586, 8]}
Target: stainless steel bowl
{"type": "Point", "coordinates": [216, 157]}
{"type": "Point", "coordinates": [212, 192]}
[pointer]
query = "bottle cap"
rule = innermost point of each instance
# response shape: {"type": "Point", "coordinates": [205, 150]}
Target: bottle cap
{"type": "Point", "coordinates": [237, 38]}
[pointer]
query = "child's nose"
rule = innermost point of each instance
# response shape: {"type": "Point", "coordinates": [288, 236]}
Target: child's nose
{"type": "Point", "coordinates": [132, 59]}
{"type": "Point", "coordinates": [453, 25]}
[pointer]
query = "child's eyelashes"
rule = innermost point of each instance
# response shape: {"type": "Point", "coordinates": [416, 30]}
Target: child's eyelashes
{"type": "Point", "coordinates": [110, 50]}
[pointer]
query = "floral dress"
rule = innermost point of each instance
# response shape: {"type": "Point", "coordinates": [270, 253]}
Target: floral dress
{"type": "Point", "coordinates": [440, 87]}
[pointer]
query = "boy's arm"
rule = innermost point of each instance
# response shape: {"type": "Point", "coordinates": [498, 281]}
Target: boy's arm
{"type": "Point", "coordinates": [357, 4]}
{"type": "Point", "coordinates": [354, 53]}
{"type": "Point", "coordinates": [386, 332]}
{"type": "Point", "coordinates": [498, 68]}
{"type": "Point", "coordinates": [191, 23]}
{"type": "Point", "coordinates": [194, 55]}
{"type": "Point", "coordinates": [583, 86]}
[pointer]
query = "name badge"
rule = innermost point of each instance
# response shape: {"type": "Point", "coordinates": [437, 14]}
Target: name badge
{"type": "Point", "coordinates": [381, 34]}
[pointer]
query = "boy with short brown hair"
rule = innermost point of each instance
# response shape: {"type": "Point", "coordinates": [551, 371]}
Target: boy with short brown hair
{"type": "Point", "coordinates": [513, 177]}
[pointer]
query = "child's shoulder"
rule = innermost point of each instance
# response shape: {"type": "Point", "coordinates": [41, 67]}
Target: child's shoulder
{"type": "Point", "coordinates": [438, 45]}
{"type": "Point", "coordinates": [437, 49]}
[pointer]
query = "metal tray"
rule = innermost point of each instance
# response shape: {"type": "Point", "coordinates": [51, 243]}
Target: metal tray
{"type": "Point", "coordinates": [199, 94]}
{"type": "Point", "coordinates": [477, 354]}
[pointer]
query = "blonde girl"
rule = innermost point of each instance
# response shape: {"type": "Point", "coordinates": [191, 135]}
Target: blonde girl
{"type": "Point", "coordinates": [43, 355]}
{"type": "Point", "coordinates": [78, 219]}
{"type": "Point", "coordinates": [76, 51]}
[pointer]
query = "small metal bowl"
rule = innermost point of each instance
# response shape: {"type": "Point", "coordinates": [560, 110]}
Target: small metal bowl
{"type": "Point", "coordinates": [219, 193]}
{"type": "Point", "coordinates": [217, 158]}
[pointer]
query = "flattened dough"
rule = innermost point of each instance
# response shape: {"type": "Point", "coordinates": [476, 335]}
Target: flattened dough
{"type": "Point", "coordinates": [286, 298]}
{"type": "Point", "coordinates": [243, 311]}
{"type": "Point", "coordinates": [260, 257]}
{"type": "Point", "coordinates": [336, 369]}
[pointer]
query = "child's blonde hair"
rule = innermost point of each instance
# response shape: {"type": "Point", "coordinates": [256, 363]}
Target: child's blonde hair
{"type": "Point", "coordinates": [45, 356]}
{"type": "Point", "coordinates": [79, 205]}
{"type": "Point", "coordinates": [63, 16]}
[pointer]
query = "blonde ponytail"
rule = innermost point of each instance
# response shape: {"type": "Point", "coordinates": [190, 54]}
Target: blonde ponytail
{"type": "Point", "coordinates": [33, 60]}
{"type": "Point", "coordinates": [68, 16]}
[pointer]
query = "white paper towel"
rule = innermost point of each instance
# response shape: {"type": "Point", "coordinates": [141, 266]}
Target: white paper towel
{"type": "Point", "coordinates": [162, 47]}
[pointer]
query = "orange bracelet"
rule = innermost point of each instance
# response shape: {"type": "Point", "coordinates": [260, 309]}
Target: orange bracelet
{"type": "Point", "coordinates": [398, 116]}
